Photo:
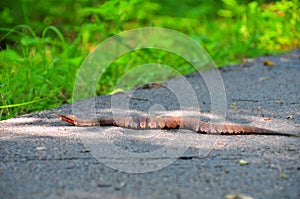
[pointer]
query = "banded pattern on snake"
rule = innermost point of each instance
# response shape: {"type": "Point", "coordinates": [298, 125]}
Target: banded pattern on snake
{"type": "Point", "coordinates": [192, 124]}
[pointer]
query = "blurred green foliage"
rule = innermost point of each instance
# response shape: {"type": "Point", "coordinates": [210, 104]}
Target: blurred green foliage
{"type": "Point", "coordinates": [44, 42]}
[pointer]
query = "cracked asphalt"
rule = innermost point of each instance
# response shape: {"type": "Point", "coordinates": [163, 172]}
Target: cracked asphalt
{"type": "Point", "coordinates": [42, 157]}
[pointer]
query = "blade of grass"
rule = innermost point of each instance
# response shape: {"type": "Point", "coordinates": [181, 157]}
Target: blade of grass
{"type": "Point", "coordinates": [21, 104]}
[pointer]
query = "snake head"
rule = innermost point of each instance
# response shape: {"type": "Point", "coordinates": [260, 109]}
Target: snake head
{"type": "Point", "coordinates": [71, 119]}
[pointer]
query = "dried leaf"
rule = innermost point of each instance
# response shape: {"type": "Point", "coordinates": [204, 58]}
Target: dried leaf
{"type": "Point", "coordinates": [268, 63]}
{"type": "Point", "coordinates": [243, 162]}
{"type": "Point", "coordinates": [238, 196]}
{"type": "Point", "coordinates": [118, 90]}
{"type": "Point", "coordinates": [278, 102]}
{"type": "Point", "coordinates": [267, 118]}
{"type": "Point", "coordinates": [152, 85]}
{"type": "Point", "coordinates": [263, 78]}
{"type": "Point", "coordinates": [233, 105]}
{"type": "Point", "coordinates": [282, 175]}
{"type": "Point", "coordinates": [40, 148]}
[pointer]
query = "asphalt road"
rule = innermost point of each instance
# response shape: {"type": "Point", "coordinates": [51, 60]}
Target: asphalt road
{"type": "Point", "coordinates": [42, 157]}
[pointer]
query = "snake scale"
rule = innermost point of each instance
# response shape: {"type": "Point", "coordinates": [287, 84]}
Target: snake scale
{"type": "Point", "coordinates": [192, 124]}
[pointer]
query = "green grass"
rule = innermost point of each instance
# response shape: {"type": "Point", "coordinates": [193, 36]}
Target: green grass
{"type": "Point", "coordinates": [43, 44]}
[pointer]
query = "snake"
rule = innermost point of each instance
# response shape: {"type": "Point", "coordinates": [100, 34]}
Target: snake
{"type": "Point", "coordinates": [192, 124]}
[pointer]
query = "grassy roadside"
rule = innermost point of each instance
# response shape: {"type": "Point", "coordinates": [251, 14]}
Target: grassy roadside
{"type": "Point", "coordinates": [44, 43]}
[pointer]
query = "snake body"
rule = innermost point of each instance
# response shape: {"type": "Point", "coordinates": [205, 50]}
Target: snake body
{"type": "Point", "coordinates": [192, 124]}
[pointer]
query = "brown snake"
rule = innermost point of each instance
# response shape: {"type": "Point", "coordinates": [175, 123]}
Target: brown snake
{"type": "Point", "coordinates": [192, 124]}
